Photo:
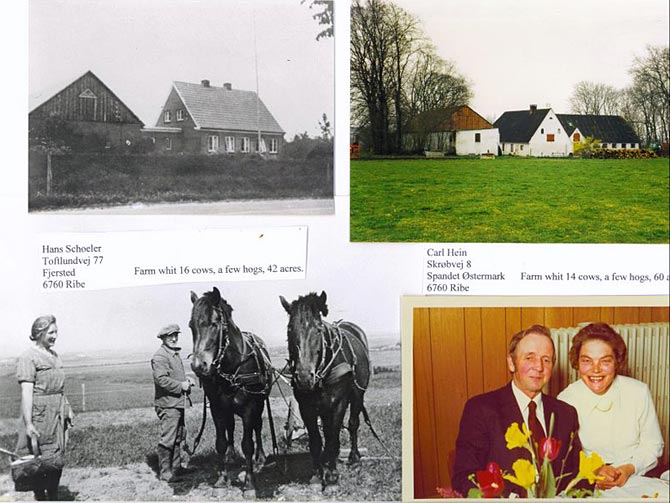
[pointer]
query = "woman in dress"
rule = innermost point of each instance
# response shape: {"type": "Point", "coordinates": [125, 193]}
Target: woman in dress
{"type": "Point", "coordinates": [617, 418]}
{"type": "Point", "coordinates": [45, 411]}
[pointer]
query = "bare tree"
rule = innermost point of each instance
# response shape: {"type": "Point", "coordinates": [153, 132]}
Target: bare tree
{"type": "Point", "coordinates": [371, 46]}
{"type": "Point", "coordinates": [595, 99]}
{"type": "Point", "coordinates": [651, 92]}
{"type": "Point", "coordinates": [395, 73]}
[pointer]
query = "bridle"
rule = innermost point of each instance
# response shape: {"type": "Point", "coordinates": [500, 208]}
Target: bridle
{"type": "Point", "coordinates": [234, 377]}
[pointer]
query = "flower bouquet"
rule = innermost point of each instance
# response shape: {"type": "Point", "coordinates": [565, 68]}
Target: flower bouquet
{"type": "Point", "coordinates": [536, 475]}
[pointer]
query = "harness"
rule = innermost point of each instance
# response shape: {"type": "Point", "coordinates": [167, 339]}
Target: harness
{"type": "Point", "coordinates": [333, 340]}
{"type": "Point", "coordinates": [234, 377]}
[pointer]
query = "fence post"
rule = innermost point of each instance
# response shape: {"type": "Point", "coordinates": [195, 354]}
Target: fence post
{"type": "Point", "coordinates": [49, 173]}
{"type": "Point", "coordinates": [83, 397]}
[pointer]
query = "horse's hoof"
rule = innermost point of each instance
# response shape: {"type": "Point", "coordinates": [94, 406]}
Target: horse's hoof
{"type": "Point", "coordinates": [222, 481]}
{"type": "Point", "coordinates": [331, 490]}
{"type": "Point", "coordinates": [249, 493]}
{"type": "Point", "coordinates": [354, 458]}
{"type": "Point", "coordinates": [331, 477]}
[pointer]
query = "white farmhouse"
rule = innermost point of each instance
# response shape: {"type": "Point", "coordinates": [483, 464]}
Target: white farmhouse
{"type": "Point", "coordinates": [533, 132]}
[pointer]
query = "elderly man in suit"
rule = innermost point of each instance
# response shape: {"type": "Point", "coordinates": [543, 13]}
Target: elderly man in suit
{"type": "Point", "coordinates": [171, 388]}
{"type": "Point", "coordinates": [486, 417]}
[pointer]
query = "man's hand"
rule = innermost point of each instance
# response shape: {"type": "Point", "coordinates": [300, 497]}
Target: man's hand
{"type": "Point", "coordinates": [31, 431]}
{"type": "Point", "coordinates": [186, 386]}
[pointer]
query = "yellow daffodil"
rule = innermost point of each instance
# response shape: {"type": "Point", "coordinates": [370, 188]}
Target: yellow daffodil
{"type": "Point", "coordinates": [589, 465]}
{"type": "Point", "coordinates": [515, 437]}
{"type": "Point", "coordinates": [524, 473]}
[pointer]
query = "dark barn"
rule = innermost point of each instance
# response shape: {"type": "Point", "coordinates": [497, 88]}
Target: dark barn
{"type": "Point", "coordinates": [85, 115]}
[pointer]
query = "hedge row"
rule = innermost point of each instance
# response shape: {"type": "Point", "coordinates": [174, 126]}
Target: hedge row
{"type": "Point", "coordinates": [94, 179]}
{"type": "Point", "coordinates": [608, 153]}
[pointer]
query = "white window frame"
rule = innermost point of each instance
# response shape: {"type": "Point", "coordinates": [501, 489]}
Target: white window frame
{"type": "Point", "coordinates": [213, 143]}
{"type": "Point", "coordinates": [230, 144]}
{"type": "Point", "coordinates": [168, 143]}
{"type": "Point", "coordinates": [167, 116]}
{"type": "Point", "coordinates": [274, 144]}
{"type": "Point", "coordinates": [180, 115]}
{"type": "Point", "coordinates": [244, 145]}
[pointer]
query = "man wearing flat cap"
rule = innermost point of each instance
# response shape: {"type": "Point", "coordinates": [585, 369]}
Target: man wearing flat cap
{"type": "Point", "coordinates": [171, 387]}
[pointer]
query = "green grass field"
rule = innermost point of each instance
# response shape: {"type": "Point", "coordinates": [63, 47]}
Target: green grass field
{"type": "Point", "coordinates": [510, 200]}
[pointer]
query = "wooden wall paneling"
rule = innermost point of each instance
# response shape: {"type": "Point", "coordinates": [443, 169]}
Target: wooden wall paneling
{"type": "Point", "coordinates": [660, 313]}
{"type": "Point", "coordinates": [425, 455]}
{"type": "Point", "coordinates": [558, 317]}
{"type": "Point", "coordinates": [645, 314]}
{"type": "Point", "coordinates": [623, 315]}
{"type": "Point", "coordinates": [606, 315]}
{"type": "Point", "coordinates": [494, 348]}
{"type": "Point", "coordinates": [447, 328]}
{"type": "Point", "coordinates": [473, 351]}
{"type": "Point", "coordinates": [514, 323]}
{"type": "Point", "coordinates": [419, 488]}
{"type": "Point", "coordinates": [529, 316]}
{"type": "Point", "coordinates": [586, 314]}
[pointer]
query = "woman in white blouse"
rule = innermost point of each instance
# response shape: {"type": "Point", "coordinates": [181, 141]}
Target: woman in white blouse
{"type": "Point", "coordinates": [617, 418]}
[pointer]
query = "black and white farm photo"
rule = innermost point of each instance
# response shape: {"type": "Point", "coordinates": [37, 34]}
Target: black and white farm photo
{"type": "Point", "coordinates": [207, 107]}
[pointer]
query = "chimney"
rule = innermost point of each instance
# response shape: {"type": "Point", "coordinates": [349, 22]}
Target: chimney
{"type": "Point", "coordinates": [205, 83]}
{"type": "Point", "coordinates": [227, 86]}
{"type": "Point", "coordinates": [533, 109]}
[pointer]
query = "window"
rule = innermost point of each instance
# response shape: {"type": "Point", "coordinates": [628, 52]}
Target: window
{"type": "Point", "coordinates": [180, 115]}
{"type": "Point", "coordinates": [213, 143]}
{"type": "Point", "coordinates": [542, 131]}
{"type": "Point", "coordinates": [576, 137]}
{"type": "Point", "coordinates": [521, 147]}
{"type": "Point", "coordinates": [559, 130]}
{"type": "Point", "coordinates": [273, 145]}
{"type": "Point", "coordinates": [168, 143]}
{"type": "Point", "coordinates": [244, 144]}
{"type": "Point", "coordinates": [230, 144]}
{"type": "Point", "coordinates": [478, 137]}
{"type": "Point", "coordinates": [88, 104]}
{"type": "Point", "coordinates": [167, 116]}
{"type": "Point", "coordinates": [550, 137]}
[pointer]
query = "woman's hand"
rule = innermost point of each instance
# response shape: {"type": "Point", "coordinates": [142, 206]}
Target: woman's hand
{"type": "Point", "coordinates": [614, 476]}
{"type": "Point", "coordinates": [31, 431]}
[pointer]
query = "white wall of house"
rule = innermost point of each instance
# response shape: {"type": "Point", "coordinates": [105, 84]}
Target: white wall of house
{"type": "Point", "coordinates": [477, 141]}
{"type": "Point", "coordinates": [550, 139]}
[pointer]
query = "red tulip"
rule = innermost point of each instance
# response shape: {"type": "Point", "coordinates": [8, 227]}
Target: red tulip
{"type": "Point", "coordinates": [549, 448]}
{"type": "Point", "coordinates": [490, 481]}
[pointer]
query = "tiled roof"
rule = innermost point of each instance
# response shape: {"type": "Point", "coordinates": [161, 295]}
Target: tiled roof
{"type": "Point", "coordinates": [452, 118]}
{"type": "Point", "coordinates": [606, 128]}
{"type": "Point", "coordinates": [229, 109]}
{"type": "Point", "coordinates": [519, 126]}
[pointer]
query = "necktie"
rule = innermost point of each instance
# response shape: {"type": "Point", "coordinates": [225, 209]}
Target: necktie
{"type": "Point", "coordinates": [533, 423]}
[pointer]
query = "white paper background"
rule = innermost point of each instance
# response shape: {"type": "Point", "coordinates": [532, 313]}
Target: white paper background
{"type": "Point", "coordinates": [364, 282]}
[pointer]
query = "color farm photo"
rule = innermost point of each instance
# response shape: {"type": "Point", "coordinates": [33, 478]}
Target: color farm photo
{"type": "Point", "coordinates": [509, 122]}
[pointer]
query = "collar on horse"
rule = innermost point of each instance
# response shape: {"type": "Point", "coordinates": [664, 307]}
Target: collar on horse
{"type": "Point", "coordinates": [333, 341]}
{"type": "Point", "coordinates": [236, 379]}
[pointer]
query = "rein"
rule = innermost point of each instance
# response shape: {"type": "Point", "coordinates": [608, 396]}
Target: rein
{"type": "Point", "coordinates": [234, 378]}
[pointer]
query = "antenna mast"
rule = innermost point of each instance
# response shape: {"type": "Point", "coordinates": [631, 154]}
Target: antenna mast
{"type": "Point", "coordinates": [258, 111]}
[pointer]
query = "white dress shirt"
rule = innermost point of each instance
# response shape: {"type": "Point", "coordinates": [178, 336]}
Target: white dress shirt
{"type": "Point", "coordinates": [523, 400]}
{"type": "Point", "coordinates": [620, 425]}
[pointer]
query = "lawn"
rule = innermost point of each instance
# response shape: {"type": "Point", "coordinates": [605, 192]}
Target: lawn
{"type": "Point", "coordinates": [510, 200]}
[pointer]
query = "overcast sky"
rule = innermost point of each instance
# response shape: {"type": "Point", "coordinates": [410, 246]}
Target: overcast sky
{"type": "Point", "coordinates": [138, 47]}
{"type": "Point", "coordinates": [518, 52]}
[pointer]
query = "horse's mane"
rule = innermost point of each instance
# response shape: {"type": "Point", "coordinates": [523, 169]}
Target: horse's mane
{"type": "Point", "coordinates": [311, 302]}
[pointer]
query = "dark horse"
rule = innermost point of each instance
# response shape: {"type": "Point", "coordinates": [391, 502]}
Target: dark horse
{"type": "Point", "coordinates": [330, 367]}
{"type": "Point", "coordinates": [235, 371]}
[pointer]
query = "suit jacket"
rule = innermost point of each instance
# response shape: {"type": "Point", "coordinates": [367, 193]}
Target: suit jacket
{"type": "Point", "coordinates": [481, 437]}
{"type": "Point", "coordinates": [168, 372]}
